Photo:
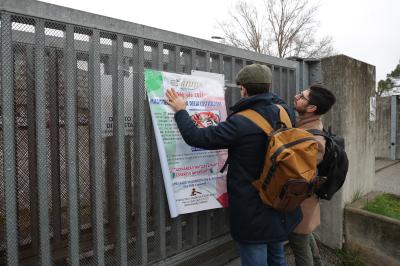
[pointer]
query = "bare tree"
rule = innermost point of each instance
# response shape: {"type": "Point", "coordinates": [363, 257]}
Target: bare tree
{"type": "Point", "coordinates": [279, 27]}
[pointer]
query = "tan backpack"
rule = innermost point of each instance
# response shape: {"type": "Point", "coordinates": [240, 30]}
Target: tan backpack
{"type": "Point", "coordinates": [290, 166]}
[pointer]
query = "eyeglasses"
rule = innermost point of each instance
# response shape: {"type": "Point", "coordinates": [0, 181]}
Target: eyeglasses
{"type": "Point", "coordinates": [301, 95]}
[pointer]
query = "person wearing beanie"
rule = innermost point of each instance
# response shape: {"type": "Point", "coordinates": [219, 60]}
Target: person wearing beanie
{"type": "Point", "coordinates": [258, 229]}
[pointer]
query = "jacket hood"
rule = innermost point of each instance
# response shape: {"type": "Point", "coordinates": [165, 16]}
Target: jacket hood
{"type": "Point", "coordinates": [255, 100]}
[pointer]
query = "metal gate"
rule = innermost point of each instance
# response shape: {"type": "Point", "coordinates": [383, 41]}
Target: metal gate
{"type": "Point", "coordinates": [80, 179]}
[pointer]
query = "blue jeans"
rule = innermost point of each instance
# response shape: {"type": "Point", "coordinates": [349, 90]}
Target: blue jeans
{"type": "Point", "coordinates": [271, 254]}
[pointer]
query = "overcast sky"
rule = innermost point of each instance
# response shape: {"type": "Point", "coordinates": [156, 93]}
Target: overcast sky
{"type": "Point", "coordinates": [363, 29]}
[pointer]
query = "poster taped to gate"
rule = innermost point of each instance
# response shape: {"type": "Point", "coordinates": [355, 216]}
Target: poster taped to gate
{"type": "Point", "coordinates": [192, 177]}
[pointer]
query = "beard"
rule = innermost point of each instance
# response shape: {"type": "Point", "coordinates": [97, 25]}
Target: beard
{"type": "Point", "coordinates": [300, 110]}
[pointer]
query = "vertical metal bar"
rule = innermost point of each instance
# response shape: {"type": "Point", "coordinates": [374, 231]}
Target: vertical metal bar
{"type": "Point", "coordinates": [41, 142]}
{"type": "Point", "coordinates": [187, 60]}
{"type": "Point", "coordinates": [205, 224]}
{"type": "Point", "coordinates": [281, 89]}
{"type": "Point", "coordinates": [220, 64]}
{"type": "Point", "coordinates": [236, 68]}
{"type": "Point", "coordinates": [177, 59]}
{"type": "Point", "coordinates": [298, 78]}
{"type": "Point", "coordinates": [33, 193]}
{"type": "Point", "coordinates": [154, 57]}
{"type": "Point", "coordinates": [233, 75]}
{"type": "Point", "coordinates": [228, 70]}
{"type": "Point", "coordinates": [193, 61]}
{"type": "Point", "coordinates": [71, 144]}
{"type": "Point", "coordinates": [393, 127]}
{"type": "Point", "coordinates": [128, 180]}
{"type": "Point", "coordinates": [172, 60]}
{"type": "Point", "coordinates": [273, 79]}
{"type": "Point", "coordinates": [141, 147]}
{"type": "Point", "coordinates": [119, 149]}
{"type": "Point", "coordinates": [234, 96]}
{"type": "Point", "coordinates": [96, 151]}
{"type": "Point", "coordinates": [176, 232]}
{"type": "Point", "coordinates": [288, 94]}
{"type": "Point", "coordinates": [7, 85]}
{"type": "Point", "coordinates": [159, 210]}
{"type": "Point", "coordinates": [220, 69]}
{"type": "Point", "coordinates": [189, 218]}
{"type": "Point", "coordinates": [54, 146]}
{"type": "Point", "coordinates": [292, 82]}
{"type": "Point", "coordinates": [192, 226]}
{"type": "Point", "coordinates": [208, 65]}
{"type": "Point", "coordinates": [110, 187]}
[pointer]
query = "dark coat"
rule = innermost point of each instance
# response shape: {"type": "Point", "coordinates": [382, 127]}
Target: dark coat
{"type": "Point", "coordinates": [251, 221]}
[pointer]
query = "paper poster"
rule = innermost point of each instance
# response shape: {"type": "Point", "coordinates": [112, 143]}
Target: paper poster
{"type": "Point", "coordinates": [192, 177]}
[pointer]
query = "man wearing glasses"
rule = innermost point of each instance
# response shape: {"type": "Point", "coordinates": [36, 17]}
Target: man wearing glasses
{"type": "Point", "coordinates": [310, 105]}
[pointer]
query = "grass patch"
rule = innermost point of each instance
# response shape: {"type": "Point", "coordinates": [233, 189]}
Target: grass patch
{"type": "Point", "coordinates": [385, 204]}
{"type": "Point", "coordinates": [356, 196]}
{"type": "Point", "coordinates": [350, 258]}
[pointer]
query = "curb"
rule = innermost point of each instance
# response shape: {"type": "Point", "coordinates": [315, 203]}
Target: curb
{"type": "Point", "coordinates": [387, 166]}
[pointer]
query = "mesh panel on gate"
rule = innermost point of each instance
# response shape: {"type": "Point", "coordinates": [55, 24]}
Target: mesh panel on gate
{"type": "Point", "coordinates": [2, 183]}
{"type": "Point", "coordinates": [149, 225]}
{"type": "Point", "coordinates": [169, 58]}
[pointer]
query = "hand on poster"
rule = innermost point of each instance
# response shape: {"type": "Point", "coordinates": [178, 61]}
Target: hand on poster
{"type": "Point", "coordinates": [176, 102]}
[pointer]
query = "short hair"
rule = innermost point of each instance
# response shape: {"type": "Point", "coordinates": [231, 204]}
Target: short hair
{"type": "Point", "coordinates": [322, 98]}
{"type": "Point", "coordinates": [257, 88]}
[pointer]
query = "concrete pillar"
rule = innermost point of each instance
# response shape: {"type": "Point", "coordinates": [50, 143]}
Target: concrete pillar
{"type": "Point", "coordinates": [382, 127]}
{"type": "Point", "coordinates": [393, 127]}
{"type": "Point", "coordinates": [353, 83]}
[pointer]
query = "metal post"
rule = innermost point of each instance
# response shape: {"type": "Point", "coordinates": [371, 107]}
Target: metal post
{"type": "Point", "coordinates": [393, 127]}
{"type": "Point", "coordinates": [159, 194]}
{"type": "Point", "coordinates": [96, 151]}
{"type": "Point", "coordinates": [33, 179]}
{"type": "Point", "coordinates": [9, 175]}
{"type": "Point", "coordinates": [119, 149]}
{"type": "Point", "coordinates": [141, 149]}
{"type": "Point", "coordinates": [71, 145]}
{"type": "Point", "coordinates": [42, 147]}
{"type": "Point", "coordinates": [54, 145]}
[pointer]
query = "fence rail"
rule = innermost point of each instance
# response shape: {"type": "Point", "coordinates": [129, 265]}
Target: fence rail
{"type": "Point", "coordinates": [81, 181]}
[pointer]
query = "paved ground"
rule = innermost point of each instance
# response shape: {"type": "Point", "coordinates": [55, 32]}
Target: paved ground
{"type": "Point", "coordinates": [387, 177]}
{"type": "Point", "coordinates": [328, 257]}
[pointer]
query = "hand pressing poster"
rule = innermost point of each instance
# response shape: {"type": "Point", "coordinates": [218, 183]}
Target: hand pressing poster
{"type": "Point", "coordinates": [192, 177]}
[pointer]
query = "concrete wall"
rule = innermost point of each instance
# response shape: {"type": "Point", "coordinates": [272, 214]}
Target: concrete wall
{"type": "Point", "coordinates": [353, 83]}
{"type": "Point", "coordinates": [375, 237]}
{"type": "Point", "coordinates": [382, 127]}
{"type": "Point", "coordinates": [398, 129]}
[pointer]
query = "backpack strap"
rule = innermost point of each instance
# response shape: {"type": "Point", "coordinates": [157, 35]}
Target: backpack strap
{"type": "Point", "coordinates": [257, 119]}
{"type": "Point", "coordinates": [318, 132]}
{"type": "Point", "coordinates": [261, 122]}
{"type": "Point", "coordinates": [284, 117]}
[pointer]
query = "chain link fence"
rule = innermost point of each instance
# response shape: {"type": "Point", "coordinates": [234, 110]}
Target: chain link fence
{"type": "Point", "coordinates": [80, 179]}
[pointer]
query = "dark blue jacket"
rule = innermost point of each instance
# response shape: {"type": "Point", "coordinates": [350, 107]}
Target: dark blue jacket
{"type": "Point", "coordinates": [251, 221]}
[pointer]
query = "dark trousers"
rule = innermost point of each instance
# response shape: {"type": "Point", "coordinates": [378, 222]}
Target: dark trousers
{"type": "Point", "coordinates": [305, 250]}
